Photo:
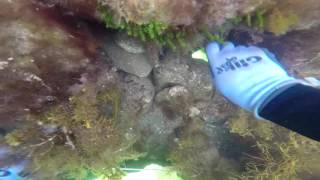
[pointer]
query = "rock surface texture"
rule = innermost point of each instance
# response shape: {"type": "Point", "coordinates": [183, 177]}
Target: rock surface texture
{"type": "Point", "coordinates": [181, 12]}
{"type": "Point", "coordinates": [39, 61]}
{"type": "Point", "coordinates": [128, 55]}
{"type": "Point", "coordinates": [137, 96]}
{"type": "Point", "coordinates": [181, 70]}
{"type": "Point", "coordinates": [298, 50]}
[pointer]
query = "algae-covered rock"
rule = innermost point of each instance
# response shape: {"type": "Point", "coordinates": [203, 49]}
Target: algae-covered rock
{"type": "Point", "coordinates": [177, 99]}
{"type": "Point", "coordinates": [157, 128]}
{"type": "Point", "coordinates": [298, 51]}
{"type": "Point", "coordinates": [173, 70]}
{"type": "Point", "coordinates": [216, 109]}
{"type": "Point", "coordinates": [90, 137]}
{"type": "Point", "coordinates": [305, 12]}
{"type": "Point", "coordinates": [181, 12]}
{"type": "Point", "coordinates": [280, 22]}
{"type": "Point", "coordinates": [130, 44]}
{"type": "Point", "coordinates": [39, 60]}
{"type": "Point", "coordinates": [84, 8]}
{"type": "Point", "coordinates": [134, 63]}
{"type": "Point", "coordinates": [137, 97]}
{"type": "Point", "coordinates": [182, 70]}
{"type": "Point", "coordinates": [280, 16]}
{"type": "Point", "coordinates": [194, 154]}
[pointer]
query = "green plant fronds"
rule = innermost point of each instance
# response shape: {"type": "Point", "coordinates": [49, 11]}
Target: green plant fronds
{"type": "Point", "coordinates": [161, 33]}
{"type": "Point", "coordinates": [15, 138]}
{"type": "Point", "coordinates": [110, 98]}
{"type": "Point", "coordinates": [236, 20]}
{"type": "Point", "coordinates": [248, 20]}
{"type": "Point", "coordinates": [164, 35]}
{"type": "Point", "coordinates": [260, 19]}
{"type": "Point", "coordinates": [214, 37]}
{"type": "Point", "coordinates": [255, 20]}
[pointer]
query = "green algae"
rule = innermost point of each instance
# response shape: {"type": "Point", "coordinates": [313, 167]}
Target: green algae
{"type": "Point", "coordinates": [85, 141]}
{"type": "Point", "coordinates": [272, 20]}
{"type": "Point", "coordinates": [164, 35]}
{"type": "Point", "coordinates": [161, 33]}
{"type": "Point", "coordinates": [280, 22]}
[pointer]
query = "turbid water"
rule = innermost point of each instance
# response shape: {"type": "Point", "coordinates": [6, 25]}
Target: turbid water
{"type": "Point", "coordinates": [79, 100]}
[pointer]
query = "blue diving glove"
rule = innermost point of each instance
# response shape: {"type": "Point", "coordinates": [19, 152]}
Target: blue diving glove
{"type": "Point", "coordinates": [248, 76]}
{"type": "Point", "coordinates": [10, 172]}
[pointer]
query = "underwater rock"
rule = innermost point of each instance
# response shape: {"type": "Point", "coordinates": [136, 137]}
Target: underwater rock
{"type": "Point", "coordinates": [281, 16]}
{"type": "Point", "coordinates": [307, 12]}
{"type": "Point", "coordinates": [39, 60]}
{"type": "Point", "coordinates": [172, 70]}
{"type": "Point", "coordinates": [216, 110]}
{"type": "Point", "coordinates": [137, 96]}
{"type": "Point", "coordinates": [176, 98]}
{"type": "Point", "coordinates": [136, 64]}
{"type": "Point", "coordinates": [200, 80]}
{"type": "Point", "coordinates": [157, 128]}
{"type": "Point", "coordinates": [181, 70]}
{"type": "Point", "coordinates": [194, 154]}
{"type": "Point", "coordinates": [181, 12]}
{"type": "Point", "coordinates": [128, 43]}
{"type": "Point", "coordinates": [83, 8]}
{"type": "Point", "coordinates": [298, 50]}
{"type": "Point", "coordinates": [107, 77]}
{"type": "Point", "coordinates": [287, 15]}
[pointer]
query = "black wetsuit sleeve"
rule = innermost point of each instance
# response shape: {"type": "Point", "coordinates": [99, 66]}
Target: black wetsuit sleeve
{"type": "Point", "coordinates": [298, 109]}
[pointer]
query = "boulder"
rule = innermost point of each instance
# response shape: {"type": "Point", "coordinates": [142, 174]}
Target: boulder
{"type": "Point", "coordinates": [181, 12]}
{"type": "Point", "coordinates": [137, 96]}
{"type": "Point", "coordinates": [129, 43]}
{"type": "Point", "coordinates": [298, 51]}
{"type": "Point", "coordinates": [181, 70]}
{"type": "Point", "coordinates": [83, 8]}
{"type": "Point", "coordinates": [176, 99]}
{"type": "Point", "coordinates": [136, 64]}
{"type": "Point", "coordinates": [307, 12]}
{"type": "Point", "coordinates": [39, 61]}
{"type": "Point", "coordinates": [216, 110]}
{"type": "Point", "coordinates": [157, 128]}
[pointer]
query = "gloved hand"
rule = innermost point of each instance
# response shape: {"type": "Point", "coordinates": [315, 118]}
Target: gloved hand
{"type": "Point", "coordinates": [248, 76]}
{"type": "Point", "coordinates": [10, 171]}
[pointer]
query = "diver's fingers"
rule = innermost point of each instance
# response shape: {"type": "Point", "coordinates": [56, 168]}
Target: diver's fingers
{"type": "Point", "coordinates": [241, 48]}
{"type": "Point", "coordinates": [212, 50]}
{"type": "Point", "coordinates": [228, 46]}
